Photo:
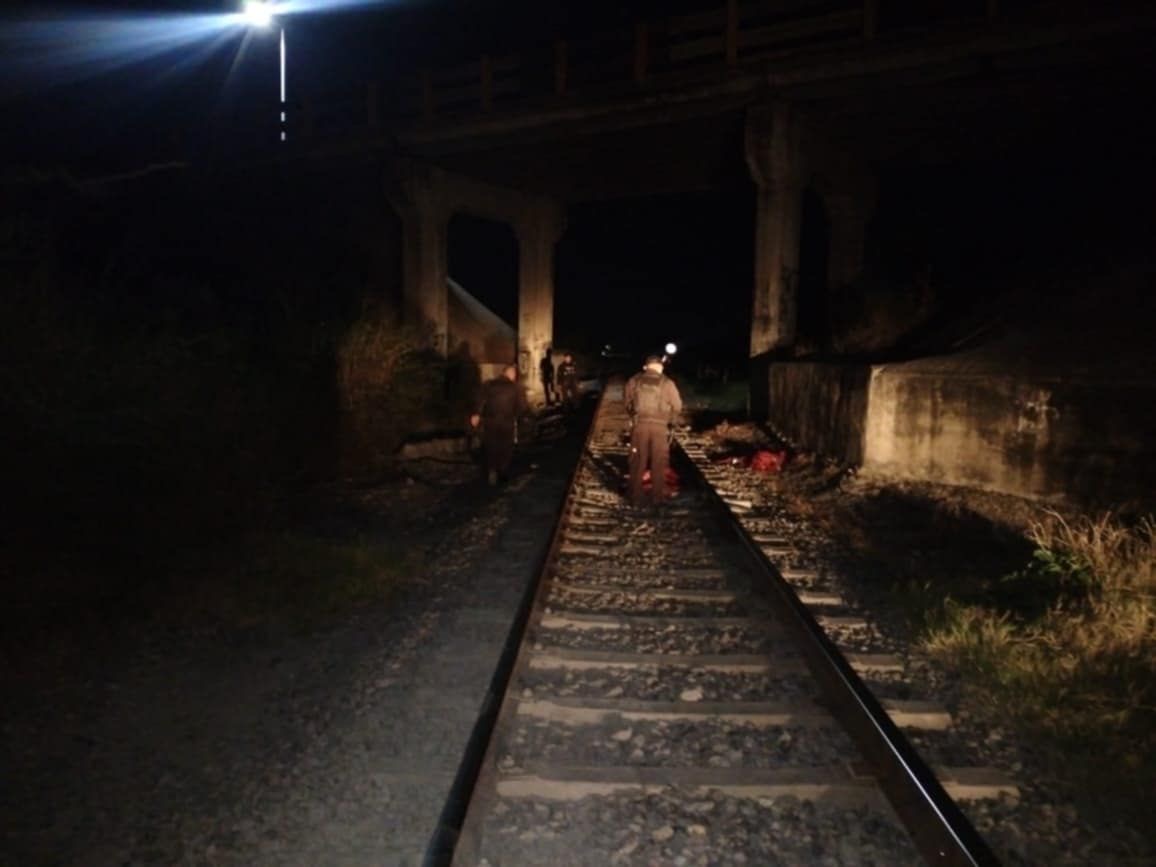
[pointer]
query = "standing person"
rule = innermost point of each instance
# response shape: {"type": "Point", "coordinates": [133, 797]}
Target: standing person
{"type": "Point", "coordinates": [568, 381]}
{"type": "Point", "coordinates": [502, 404]}
{"type": "Point", "coordinates": [546, 370]}
{"type": "Point", "coordinates": [654, 403]}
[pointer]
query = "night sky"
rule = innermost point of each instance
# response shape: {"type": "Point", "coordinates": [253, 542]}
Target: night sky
{"type": "Point", "coordinates": [634, 270]}
{"type": "Point", "coordinates": [648, 260]}
{"type": "Point", "coordinates": [634, 273]}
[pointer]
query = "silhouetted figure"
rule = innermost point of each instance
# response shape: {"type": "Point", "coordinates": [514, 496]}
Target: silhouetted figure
{"type": "Point", "coordinates": [568, 381]}
{"type": "Point", "coordinates": [463, 381]}
{"type": "Point", "coordinates": [546, 371]}
{"type": "Point", "coordinates": [654, 403]}
{"type": "Point", "coordinates": [502, 404]}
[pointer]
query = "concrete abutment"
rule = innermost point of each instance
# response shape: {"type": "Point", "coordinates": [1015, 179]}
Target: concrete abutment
{"type": "Point", "coordinates": [425, 198]}
{"type": "Point", "coordinates": [973, 422]}
{"type": "Point", "coordinates": [774, 160]}
{"type": "Point", "coordinates": [538, 234]}
{"type": "Point", "coordinates": [787, 161]}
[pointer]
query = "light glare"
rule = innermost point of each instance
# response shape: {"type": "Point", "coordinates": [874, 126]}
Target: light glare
{"type": "Point", "coordinates": [671, 349]}
{"type": "Point", "coordinates": [45, 50]}
{"type": "Point", "coordinates": [258, 13]}
{"type": "Point", "coordinates": [54, 51]}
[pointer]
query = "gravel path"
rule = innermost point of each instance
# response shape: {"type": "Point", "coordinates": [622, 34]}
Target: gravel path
{"type": "Point", "coordinates": [608, 757]}
{"type": "Point", "coordinates": [333, 748]}
{"type": "Point", "coordinates": [1041, 826]}
{"type": "Point", "coordinates": [696, 830]}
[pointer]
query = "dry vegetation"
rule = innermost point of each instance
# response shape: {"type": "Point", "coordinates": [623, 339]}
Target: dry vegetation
{"type": "Point", "coordinates": [1067, 650]}
{"type": "Point", "coordinates": [168, 467]}
{"type": "Point", "coordinates": [1049, 619]}
{"type": "Point", "coordinates": [389, 383]}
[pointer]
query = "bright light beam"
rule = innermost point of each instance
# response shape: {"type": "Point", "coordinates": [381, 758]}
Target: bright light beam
{"type": "Point", "coordinates": [258, 13]}
{"type": "Point", "coordinates": [62, 50]}
{"type": "Point", "coordinates": [282, 84]}
{"type": "Point", "coordinates": [299, 7]}
{"type": "Point", "coordinates": [72, 49]}
{"type": "Point", "coordinates": [55, 51]}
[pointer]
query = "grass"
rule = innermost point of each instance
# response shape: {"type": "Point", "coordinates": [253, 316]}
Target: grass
{"type": "Point", "coordinates": [714, 397]}
{"type": "Point", "coordinates": [1050, 622]}
{"type": "Point", "coordinates": [1065, 648]}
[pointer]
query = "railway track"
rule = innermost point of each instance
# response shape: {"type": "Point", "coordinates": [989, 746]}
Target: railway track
{"type": "Point", "coordinates": [667, 697]}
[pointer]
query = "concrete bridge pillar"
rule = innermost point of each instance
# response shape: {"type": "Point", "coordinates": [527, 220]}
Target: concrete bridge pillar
{"type": "Point", "coordinates": [773, 157]}
{"type": "Point", "coordinates": [418, 199]}
{"type": "Point", "coordinates": [850, 204]}
{"type": "Point", "coordinates": [538, 231]}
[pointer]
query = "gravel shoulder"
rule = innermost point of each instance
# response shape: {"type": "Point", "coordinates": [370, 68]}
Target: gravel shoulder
{"type": "Point", "coordinates": [161, 746]}
{"type": "Point", "coordinates": [335, 746]}
{"type": "Point", "coordinates": [867, 539]}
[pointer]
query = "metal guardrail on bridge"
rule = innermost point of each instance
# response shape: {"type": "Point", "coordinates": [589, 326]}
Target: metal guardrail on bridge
{"type": "Point", "coordinates": [742, 36]}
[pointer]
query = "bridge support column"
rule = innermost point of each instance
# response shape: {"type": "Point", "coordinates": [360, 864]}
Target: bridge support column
{"type": "Point", "coordinates": [849, 208]}
{"type": "Point", "coordinates": [425, 224]}
{"type": "Point", "coordinates": [538, 232]}
{"type": "Point", "coordinates": [774, 160]}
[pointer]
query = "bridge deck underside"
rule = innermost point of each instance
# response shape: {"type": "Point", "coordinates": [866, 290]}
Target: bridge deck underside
{"type": "Point", "coordinates": [928, 115]}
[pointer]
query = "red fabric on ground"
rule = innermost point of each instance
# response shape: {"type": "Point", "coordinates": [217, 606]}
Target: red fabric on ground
{"type": "Point", "coordinates": [671, 481]}
{"type": "Point", "coordinates": [764, 461]}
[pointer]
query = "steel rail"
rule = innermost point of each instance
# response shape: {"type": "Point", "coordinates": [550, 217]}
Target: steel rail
{"type": "Point", "coordinates": [939, 829]}
{"type": "Point", "coordinates": [451, 842]}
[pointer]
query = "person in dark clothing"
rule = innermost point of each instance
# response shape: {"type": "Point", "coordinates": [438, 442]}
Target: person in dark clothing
{"type": "Point", "coordinates": [654, 403]}
{"type": "Point", "coordinates": [546, 369]}
{"type": "Point", "coordinates": [568, 381]}
{"type": "Point", "coordinates": [502, 403]}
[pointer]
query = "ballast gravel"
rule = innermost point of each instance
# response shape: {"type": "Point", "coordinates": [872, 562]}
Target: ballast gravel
{"type": "Point", "coordinates": [650, 683]}
{"type": "Point", "coordinates": [1036, 828]}
{"type": "Point", "coordinates": [691, 829]}
{"type": "Point", "coordinates": [333, 748]}
{"type": "Point", "coordinates": [663, 639]}
{"type": "Point", "coordinates": [636, 603]}
{"type": "Point", "coordinates": [620, 578]}
{"type": "Point", "coordinates": [682, 743]}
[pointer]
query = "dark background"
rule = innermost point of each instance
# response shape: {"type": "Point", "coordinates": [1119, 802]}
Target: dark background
{"type": "Point", "coordinates": [176, 324]}
{"type": "Point", "coordinates": [1065, 178]}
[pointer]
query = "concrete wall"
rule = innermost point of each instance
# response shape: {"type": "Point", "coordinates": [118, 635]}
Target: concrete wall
{"type": "Point", "coordinates": [821, 406]}
{"type": "Point", "coordinates": [1085, 440]}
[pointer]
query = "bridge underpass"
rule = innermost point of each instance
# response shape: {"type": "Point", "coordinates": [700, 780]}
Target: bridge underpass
{"type": "Point", "coordinates": [959, 174]}
{"type": "Point", "coordinates": [827, 142]}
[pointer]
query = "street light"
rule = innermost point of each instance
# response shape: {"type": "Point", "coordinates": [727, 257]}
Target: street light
{"type": "Point", "coordinates": [259, 14]}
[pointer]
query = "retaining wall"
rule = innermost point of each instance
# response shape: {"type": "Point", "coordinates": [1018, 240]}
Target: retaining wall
{"type": "Point", "coordinates": [1084, 439]}
{"type": "Point", "coordinates": [821, 406]}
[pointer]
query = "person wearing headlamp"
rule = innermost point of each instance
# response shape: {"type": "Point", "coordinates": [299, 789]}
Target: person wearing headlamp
{"type": "Point", "coordinates": [653, 402]}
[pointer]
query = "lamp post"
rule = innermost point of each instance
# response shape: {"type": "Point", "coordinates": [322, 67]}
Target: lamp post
{"type": "Point", "coordinates": [282, 55]}
{"type": "Point", "coordinates": [259, 14]}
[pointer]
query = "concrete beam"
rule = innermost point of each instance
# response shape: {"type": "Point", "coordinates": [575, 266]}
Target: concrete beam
{"type": "Point", "coordinates": [416, 196]}
{"type": "Point", "coordinates": [774, 159]}
{"type": "Point", "coordinates": [425, 197]}
{"type": "Point", "coordinates": [849, 192]}
{"type": "Point", "coordinates": [844, 72]}
{"type": "Point", "coordinates": [848, 213]}
{"type": "Point", "coordinates": [538, 230]}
